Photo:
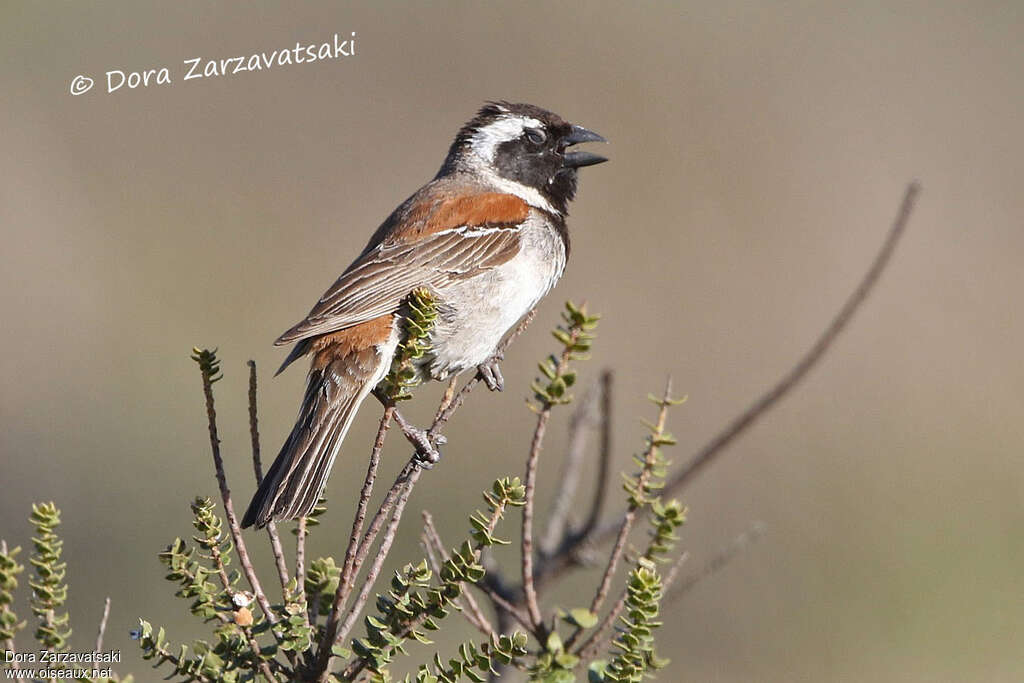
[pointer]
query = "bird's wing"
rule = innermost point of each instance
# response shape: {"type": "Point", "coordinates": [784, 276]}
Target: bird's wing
{"type": "Point", "coordinates": [445, 241]}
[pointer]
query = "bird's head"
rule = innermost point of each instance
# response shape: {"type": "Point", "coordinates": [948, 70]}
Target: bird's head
{"type": "Point", "coordinates": [524, 150]}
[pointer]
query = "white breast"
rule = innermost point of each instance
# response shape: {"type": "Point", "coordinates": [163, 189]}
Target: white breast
{"type": "Point", "coordinates": [485, 307]}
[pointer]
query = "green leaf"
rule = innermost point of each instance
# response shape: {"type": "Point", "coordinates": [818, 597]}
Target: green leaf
{"type": "Point", "coordinates": [581, 617]}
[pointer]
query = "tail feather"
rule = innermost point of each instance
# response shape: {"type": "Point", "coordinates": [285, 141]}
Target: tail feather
{"type": "Point", "coordinates": [296, 480]}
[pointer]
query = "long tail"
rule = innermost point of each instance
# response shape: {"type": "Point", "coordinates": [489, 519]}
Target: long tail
{"type": "Point", "coordinates": [340, 378]}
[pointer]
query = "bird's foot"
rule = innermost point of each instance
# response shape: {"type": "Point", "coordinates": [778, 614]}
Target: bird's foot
{"type": "Point", "coordinates": [490, 373]}
{"type": "Point", "coordinates": [427, 453]}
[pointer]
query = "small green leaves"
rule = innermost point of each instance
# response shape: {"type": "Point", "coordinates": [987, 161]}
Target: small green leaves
{"type": "Point", "coordinates": [555, 664]}
{"type": "Point", "coordinates": [504, 493]}
{"type": "Point", "coordinates": [313, 518]}
{"type": "Point", "coordinates": [209, 364]}
{"type": "Point", "coordinates": [634, 646]}
{"type": "Point", "coordinates": [49, 592]}
{"type": "Point", "coordinates": [321, 581]}
{"type": "Point", "coordinates": [186, 566]}
{"type": "Point", "coordinates": [665, 519]}
{"type": "Point", "coordinates": [644, 485]}
{"type": "Point", "coordinates": [414, 605]}
{"type": "Point", "coordinates": [420, 315]}
{"type": "Point", "coordinates": [474, 661]}
{"type": "Point", "coordinates": [632, 655]}
{"type": "Point", "coordinates": [581, 617]}
{"type": "Point", "coordinates": [9, 570]}
{"type": "Point", "coordinates": [575, 336]}
{"type": "Point", "coordinates": [294, 631]}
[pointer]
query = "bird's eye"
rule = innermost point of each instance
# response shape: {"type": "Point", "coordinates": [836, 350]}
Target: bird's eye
{"type": "Point", "coordinates": [536, 136]}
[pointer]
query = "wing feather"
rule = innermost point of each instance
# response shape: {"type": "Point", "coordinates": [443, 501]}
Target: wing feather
{"type": "Point", "coordinates": [378, 282]}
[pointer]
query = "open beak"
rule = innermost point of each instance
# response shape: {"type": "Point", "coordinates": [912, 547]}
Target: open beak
{"type": "Point", "coordinates": [577, 135]}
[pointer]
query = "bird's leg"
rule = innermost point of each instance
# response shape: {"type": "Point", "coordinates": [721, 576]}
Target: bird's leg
{"type": "Point", "coordinates": [490, 373]}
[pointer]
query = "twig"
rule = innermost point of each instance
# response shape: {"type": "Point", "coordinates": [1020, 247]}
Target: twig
{"type": "Point", "coordinates": [529, 589]}
{"type": "Point", "coordinates": [786, 384]}
{"type": "Point", "coordinates": [599, 637]}
{"type": "Point", "coordinates": [300, 575]}
{"type": "Point", "coordinates": [650, 455]}
{"type": "Point", "coordinates": [254, 436]}
{"type": "Point", "coordinates": [300, 557]}
{"type": "Point", "coordinates": [208, 366]}
{"type": "Point", "coordinates": [254, 432]}
{"type": "Point", "coordinates": [683, 558]}
{"type": "Point", "coordinates": [572, 468]}
{"type": "Point", "coordinates": [604, 468]}
{"type": "Point", "coordinates": [530, 483]}
{"type": "Point", "coordinates": [508, 608]}
{"type": "Point", "coordinates": [472, 612]}
{"type": "Point", "coordinates": [724, 557]}
{"type": "Point", "coordinates": [103, 625]}
{"type": "Point", "coordinates": [503, 598]}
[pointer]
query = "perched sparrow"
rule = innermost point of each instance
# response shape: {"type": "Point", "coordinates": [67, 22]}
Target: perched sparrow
{"type": "Point", "coordinates": [486, 237]}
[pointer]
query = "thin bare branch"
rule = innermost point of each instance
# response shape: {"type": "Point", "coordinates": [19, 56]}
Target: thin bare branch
{"type": "Point", "coordinates": [503, 598]}
{"type": "Point", "coordinates": [254, 436]}
{"type": "Point", "coordinates": [572, 468]}
{"type": "Point", "coordinates": [529, 589]}
{"type": "Point", "coordinates": [254, 432]}
{"type": "Point", "coordinates": [630, 518]}
{"type": "Point", "coordinates": [300, 556]}
{"type": "Point", "coordinates": [604, 464]}
{"type": "Point", "coordinates": [103, 625]}
{"type": "Point", "coordinates": [739, 544]}
{"type": "Point", "coordinates": [530, 484]}
{"type": "Point", "coordinates": [673, 572]}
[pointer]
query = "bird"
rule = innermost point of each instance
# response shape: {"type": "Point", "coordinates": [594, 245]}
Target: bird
{"type": "Point", "coordinates": [486, 237]}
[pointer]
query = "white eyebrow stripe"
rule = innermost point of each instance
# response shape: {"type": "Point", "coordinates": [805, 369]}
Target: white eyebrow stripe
{"type": "Point", "coordinates": [486, 140]}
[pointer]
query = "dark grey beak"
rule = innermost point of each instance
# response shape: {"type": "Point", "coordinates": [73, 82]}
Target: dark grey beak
{"type": "Point", "coordinates": [577, 135]}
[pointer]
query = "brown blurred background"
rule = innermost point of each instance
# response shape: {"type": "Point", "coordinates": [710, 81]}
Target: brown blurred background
{"type": "Point", "coordinates": [759, 151]}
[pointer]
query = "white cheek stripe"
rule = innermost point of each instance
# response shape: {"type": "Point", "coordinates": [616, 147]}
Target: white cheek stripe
{"type": "Point", "coordinates": [528, 194]}
{"type": "Point", "coordinates": [484, 144]}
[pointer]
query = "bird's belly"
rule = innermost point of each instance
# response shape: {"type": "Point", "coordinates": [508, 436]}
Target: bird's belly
{"type": "Point", "coordinates": [477, 312]}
